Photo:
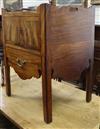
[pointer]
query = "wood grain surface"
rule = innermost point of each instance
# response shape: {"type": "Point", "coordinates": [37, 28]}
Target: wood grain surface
{"type": "Point", "coordinates": [70, 40]}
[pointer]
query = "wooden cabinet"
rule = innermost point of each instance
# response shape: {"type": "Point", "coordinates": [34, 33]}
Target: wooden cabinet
{"type": "Point", "coordinates": [52, 41]}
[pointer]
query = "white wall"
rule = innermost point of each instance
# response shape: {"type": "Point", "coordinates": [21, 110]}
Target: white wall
{"type": "Point", "coordinates": [30, 3]}
{"type": "Point", "coordinates": [1, 5]}
{"type": "Point", "coordinates": [97, 15]}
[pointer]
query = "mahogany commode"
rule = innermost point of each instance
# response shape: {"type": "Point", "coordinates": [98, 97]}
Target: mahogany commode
{"type": "Point", "coordinates": [52, 41]}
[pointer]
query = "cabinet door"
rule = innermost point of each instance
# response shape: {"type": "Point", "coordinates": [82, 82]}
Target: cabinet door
{"type": "Point", "coordinates": [23, 29]}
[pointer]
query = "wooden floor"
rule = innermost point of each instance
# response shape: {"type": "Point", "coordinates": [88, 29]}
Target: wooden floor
{"type": "Point", "coordinates": [70, 111]}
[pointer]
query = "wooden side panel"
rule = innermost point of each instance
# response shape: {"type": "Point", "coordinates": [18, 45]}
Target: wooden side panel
{"type": "Point", "coordinates": [70, 40]}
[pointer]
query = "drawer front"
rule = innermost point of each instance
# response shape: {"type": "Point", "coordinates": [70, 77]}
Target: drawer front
{"type": "Point", "coordinates": [26, 63]}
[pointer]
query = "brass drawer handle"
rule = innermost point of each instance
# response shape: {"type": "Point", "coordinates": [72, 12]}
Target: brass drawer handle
{"type": "Point", "coordinates": [20, 62]}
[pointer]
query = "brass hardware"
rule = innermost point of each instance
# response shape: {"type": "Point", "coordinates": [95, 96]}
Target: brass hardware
{"type": "Point", "coordinates": [20, 62]}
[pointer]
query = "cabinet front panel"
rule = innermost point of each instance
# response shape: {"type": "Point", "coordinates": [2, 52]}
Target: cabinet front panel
{"type": "Point", "coordinates": [23, 31]}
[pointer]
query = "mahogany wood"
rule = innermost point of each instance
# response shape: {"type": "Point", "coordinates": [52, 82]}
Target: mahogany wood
{"type": "Point", "coordinates": [46, 70]}
{"type": "Point", "coordinates": [55, 42]}
{"type": "Point", "coordinates": [69, 40]}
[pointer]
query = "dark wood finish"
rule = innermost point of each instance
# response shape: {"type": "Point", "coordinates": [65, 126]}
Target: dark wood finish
{"type": "Point", "coordinates": [97, 32]}
{"type": "Point", "coordinates": [71, 41]}
{"type": "Point", "coordinates": [1, 53]}
{"type": "Point", "coordinates": [53, 42]}
{"type": "Point", "coordinates": [46, 70]}
{"type": "Point", "coordinates": [97, 60]}
{"type": "Point", "coordinates": [2, 73]}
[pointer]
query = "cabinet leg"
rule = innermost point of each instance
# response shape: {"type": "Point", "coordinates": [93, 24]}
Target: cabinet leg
{"type": "Point", "coordinates": [89, 84]}
{"type": "Point", "coordinates": [83, 80]}
{"type": "Point", "coordinates": [7, 77]}
{"type": "Point", "coordinates": [2, 73]}
{"type": "Point", "coordinates": [47, 95]}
